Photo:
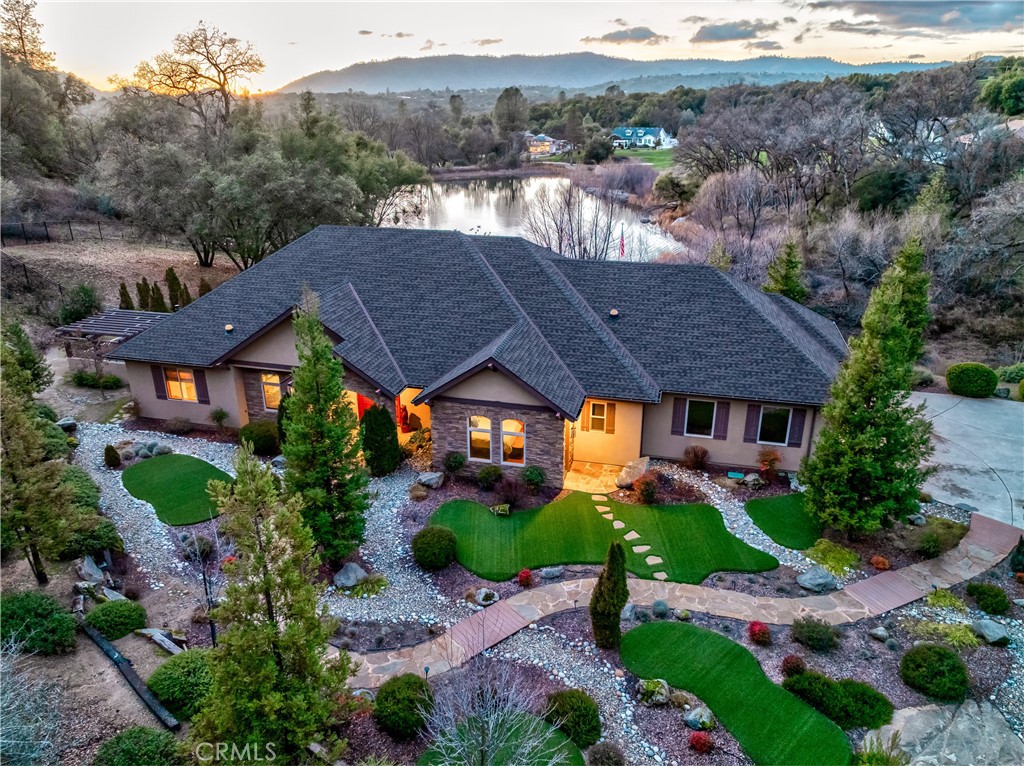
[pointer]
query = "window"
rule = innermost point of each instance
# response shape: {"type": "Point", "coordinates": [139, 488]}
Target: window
{"type": "Point", "coordinates": [513, 442]}
{"type": "Point", "coordinates": [598, 411]}
{"type": "Point", "coordinates": [700, 418]}
{"type": "Point", "coordinates": [272, 388]}
{"type": "Point", "coordinates": [774, 427]}
{"type": "Point", "coordinates": [181, 384]}
{"type": "Point", "coordinates": [479, 437]}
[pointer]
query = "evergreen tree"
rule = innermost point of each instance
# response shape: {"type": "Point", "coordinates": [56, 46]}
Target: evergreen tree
{"type": "Point", "coordinates": [609, 597]}
{"type": "Point", "coordinates": [125, 298]}
{"type": "Point", "coordinates": [26, 358]}
{"type": "Point", "coordinates": [380, 441]}
{"type": "Point", "coordinates": [935, 197]}
{"type": "Point", "coordinates": [184, 297]}
{"type": "Point", "coordinates": [898, 310]}
{"type": "Point", "coordinates": [786, 275]}
{"type": "Point", "coordinates": [272, 680]}
{"type": "Point", "coordinates": [204, 287]}
{"type": "Point", "coordinates": [718, 258]}
{"type": "Point", "coordinates": [323, 445]}
{"type": "Point", "coordinates": [143, 291]}
{"type": "Point", "coordinates": [173, 287]}
{"type": "Point", "coordinates": [156, 299]}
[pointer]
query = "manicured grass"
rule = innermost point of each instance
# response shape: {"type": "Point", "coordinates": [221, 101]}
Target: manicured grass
{"type": "Point", "coordinates": [773, 727]}
{"type": "Point", "coordinates": [175, 485]}
{"type": "Point", "coordinates": [659, 158]}
{"type": "Point", "coordinates": [691, 539]}
{"type": "Point", "coordinates": [786, 520]}
{"type": "Point", "coordinates": [571, 755]}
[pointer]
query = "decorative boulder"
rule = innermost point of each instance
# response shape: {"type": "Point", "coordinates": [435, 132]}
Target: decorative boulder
{"type": "Point", "coordinates": [991, 632]}
{"type": "Point", "coordinates": [699, 718]}
{"type": "Point", "coordinates": [432, 479]}
{"type": "Point", "coordinates": [817, 579]}
{"type": "Point", "coordinates": [652, 692]}
{"type": "Point", "coordinates": [278, 462]}
{"type": "Point", "coordinates": [753, 481]}
{"type": "Point", "coordinates": [628, 612]}
{"type": "Point", "coordinates": [917, 520]}
{"type": "Point", "coordinates": [1002, 393]}
{"type": "Point", "coordinates": [551, 573]}
{"type": "Point", "coordinates": [879, 633]}
{"type": "Point", "coordinates": [67, 425]}
{"type": "Point", "coordinates": [88, 570]}
{"type": "Point", "coordinates": [632, 471]}
{"type": "Point", "coordinates": [350, 575]}
{"type": "Point", "coordinates": [485, 597]}
{"type": "Point", "coordinates": [113, 595]}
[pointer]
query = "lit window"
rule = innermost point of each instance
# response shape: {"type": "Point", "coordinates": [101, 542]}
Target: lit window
{"type": "Point", "coordinates": [181, 384]}
{"type": "Point", "coordinates": [271, 382]}
{"type": "Point", "coordinates": [513, 442]}
{"type": "Point", "coordinates": [774, 427]}
{"type": "Point", "coordinates": [598, 412]}
{"type": "Point", "coordinates": [479, 436]}
{"type": "Point", "coordinates": [700, 418]}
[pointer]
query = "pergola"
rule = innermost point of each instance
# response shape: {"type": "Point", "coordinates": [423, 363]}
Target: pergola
{"type": "Point", "coordinates": [116, 324]}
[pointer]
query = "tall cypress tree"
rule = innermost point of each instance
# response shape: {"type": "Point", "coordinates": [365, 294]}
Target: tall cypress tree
{"type": "Point", "coordinates": [204, 287]}
{"type": "Point", "coordinates": [124, 297]}
{"type": "Point", "coordinates": [609, 597]}
{"type": "Point", "coordinates": [323, 445]}
{"type": "Point", "coordinates": [272, 680]}
{"type": "Point", "coordinates": [156, 299]}
{"type": "Point", "coordinates": [143, 291]}
{"type": "Point", "coordinates": [184, 297]}
{"type": "Point", "coordinates": [786, 274]}
{"type": "Point", "coordinates": [898, 313]}
{"type": "Point", "coordinates": [173, 287]}
{"type": "Point", "coordinates": [380, 441]}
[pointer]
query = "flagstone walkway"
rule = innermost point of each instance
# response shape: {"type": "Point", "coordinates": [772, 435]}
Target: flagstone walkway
{"type": "Point", "coordinates": [987, 542]}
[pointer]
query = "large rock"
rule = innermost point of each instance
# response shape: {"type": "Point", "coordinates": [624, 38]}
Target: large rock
{"type": "Point", "coordinates": [917, 520]}
{"type": "Point", "coordinates": [113, 595]}
{"type": "Point", "coordinates": [350, 575]}
{"type": "Point", "coordinates": [485, 597]}
{"type": "Point", "coordinates": [88, 571]}
{"type": "Point", "coordinates": [652, 692]}
{"type": "Point", "coordinates": [628, 612]}
{"type": "Point", "coordinates": [879, 634]}
{"type": "Point", "coordinates": [699, 718]}
{"type": "Point", "coordinates": [279, 462]}
{"type": "Point", "coordinates": [67, 425]}
{"type": "Point", "coordinates": [991, 632]}
{"type": "Point", "coordinates": [432, 479]}
{"type": "Point", "coordinates": [551, 573]}
{"type": "Point", "coordinates": [632, 471]}
{"type": "Point", "coordinates": [817, 579]}
{"type": "Point", "coordinates": [753, 481]}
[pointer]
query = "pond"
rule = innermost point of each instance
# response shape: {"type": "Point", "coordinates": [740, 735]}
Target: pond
{"type": "Point", "coordinates": [497, 205]}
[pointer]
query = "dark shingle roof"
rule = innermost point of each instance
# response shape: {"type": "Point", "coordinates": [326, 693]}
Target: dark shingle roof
{"type": "Point", "coordinates": [418, 308]}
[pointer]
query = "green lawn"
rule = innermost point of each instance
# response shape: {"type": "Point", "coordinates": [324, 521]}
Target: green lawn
{"type": "Point", "coordinates": [786, 520]}
{"type": "Point", "coordinates": [692, 539]}
{"type": "Point", "coordinates": [659, 158]}
{"type": "Point", "coordinates": [555, 741]}
{"type": "Point", "coordinates": [175, 485]}
{"type": "Point", "coordinates": [773, 727]}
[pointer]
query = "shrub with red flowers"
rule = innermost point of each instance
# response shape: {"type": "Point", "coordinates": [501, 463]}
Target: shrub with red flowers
{"type": "Point", "coordinates": [701, 742]}
{"type": "Point", "coordinates": [793, 665]}
{"type": "Point", "coordinates": [759, 633]}
{"type": "Point", "coordinates": [525, 578]}
{"type": "Point", "coordinates": [881, 563]}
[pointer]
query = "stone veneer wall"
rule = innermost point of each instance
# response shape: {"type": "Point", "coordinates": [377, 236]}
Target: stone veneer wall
{"type": "Point", "coordinates": [545, 435]}
{"type": "Point", "coordinates": [252, 384]}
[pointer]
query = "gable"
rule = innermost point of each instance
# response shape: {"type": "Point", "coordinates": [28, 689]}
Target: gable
{"type": "Point", "coordinates": [493, 386]}
{"type": "Point", "coordinates": [274, 348]}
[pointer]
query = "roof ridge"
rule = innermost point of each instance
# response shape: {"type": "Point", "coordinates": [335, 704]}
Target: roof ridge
{"type": "Point", "coordinates": [376, 331]}
{"type": "Point", "coordinates": [799, 314]}
{"type": "Point", "coordinates": [587, 313]}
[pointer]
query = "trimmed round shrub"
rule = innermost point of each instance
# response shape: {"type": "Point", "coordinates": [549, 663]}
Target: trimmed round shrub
{"type": "Point", "coordinates": [525, 578]}
{"type": "Point", "coordinates": [576, 714]}
{"type": "Point", "coordinates": [971, 379]}
{"type": "Point", "coordinates": [606, 754]}
{"type": "Point", "coordinates": [534, 477]}
{"type": "Point", "coordinates": [815, 634]}
{"type": "Point", "coordinates": [660, 609]}
{"type": "Point", "coordinates": [178, 426]}
{"type": "Point", "coordinates": [989, 598]}
{"type": "Point", "coordinates": [262, 434]}
{"type": "Point", "coordinates": [701, 741]}
{"type": "Point", "coordinates": [454, 462]}
{"type": "Point", "coordinates": [1012, 374]}
{"type": "Point", "coordinates": [45, 411]}
{"type": "Point", "coordinates": [183, 682]}
{"type": "Point", "coordinates": [850, 704]}
{"type": "Point", "coordinates": [820, 692]}
{"type": "Point", "coordinates": [512, 491]}
{"type": "Point", "coordinates": [695, 457]}
{"type": "Point", "coordinates": [116, 619]}
{"type": "Point", "coordinates": [38, 622]}
{"type": "Point", "coordinates": [380, 441]}
{"type": "Point", "coordinates": [646, 487]}
{"type": "Point", "coordinates": [935, 671]}
{"type": "Point", "coordinates": [399, 704]}
{"type": "Point", "coordinates": [139, 745]}
{"type": "Point", "coordinates": [793, 665]}
{"type": "Point", "coordinates": [433, 547]}
{"type": "Point", "coordinates": [759, 633]}
{"type": "Point", "coordinates": [869, 708]}
{"type": "Point", "coordinates": [488, 476]}
{"type": "Point", "coordinates": [111, 457]}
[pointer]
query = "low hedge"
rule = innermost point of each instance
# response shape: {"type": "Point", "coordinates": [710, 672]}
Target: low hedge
{"type": "Point", "coordinates": [935, 671]}
{"type": "Point", "coordinates": [400, 704]}
{"type": "Point", "coordinates": [140, 745]}
{"type": "Point", "coordinates": [989, 598]}
{"type": "Point", "coordinates": [433, 547]}
{"type": "Point", "coordinates": [849, 703]}
{"type": "Point", "coordinates": [36, 621]}
{"type": "Point", "coordinates": [116, 619]}
{"type": "Point", "coordinates": [183, 682]}
{"type": "Point", "coordinates": [971, 379]}
{"type": "Point", "coordinates": [262, 434]}
{"type": "Point", "coordinates": [576, 714]}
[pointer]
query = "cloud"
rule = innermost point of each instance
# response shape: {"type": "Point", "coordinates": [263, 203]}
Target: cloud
{"type": "Point", "coordinates": [916, 56]}
{"type": "Point", "coordinates": [642, 35]}
{"type": "Point", "coordinates": [733, 30]}
{"type": "Point", "coordinates": [695, 19]}
{"type": "Point", "coordinates": [401, 35]}
{"type": "Point", "coordinates": [763, 45]}
{"type": "Point", "coordinates": [936, 15]}
{"type": "Point", "coordinates": [857, 27]}
{"type": "Point", "coordinates": [365, 31]}
{"type": "Point", "coordinates": [487, 41]}
{"type": "Point", "coordinates": [428, 46]}
{"type": "Point", "coordinates": [789, 20]}
{"type": "Point", "coordinates": [620, 22]}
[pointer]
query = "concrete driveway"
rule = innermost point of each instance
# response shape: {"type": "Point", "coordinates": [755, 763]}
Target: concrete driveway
{"type": "Point", "coordinates": [979, 454]}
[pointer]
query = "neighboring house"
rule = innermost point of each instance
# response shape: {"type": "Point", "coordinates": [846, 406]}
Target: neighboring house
{"type": "Point", "coordinates": [629, 138]}
{"type": "Point", "coordinates": [509, 353]}
{"type": "Point", "coordinates": [541, 144]}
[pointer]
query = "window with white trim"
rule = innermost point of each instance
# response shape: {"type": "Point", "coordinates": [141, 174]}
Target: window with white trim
{"type": "Point", "coordinates": [273, 387]}
{"type": "Point", "coordinates": [478, 437]}
{"type": "Point", "coordinates": [774, 426]}
{"type": "Point", "coordinates": [700, 418]}
{"type": "Point", "coordinates": [181, 384]}
{"type": "Point", "coordinates": [598, 415]}
{"type": "Point", "coordinates": [513, 442]}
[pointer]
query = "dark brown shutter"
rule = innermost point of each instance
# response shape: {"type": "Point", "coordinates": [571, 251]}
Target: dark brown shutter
{"type": "Point", "coordinates": [722, 421]}
{"type": "Point", "coordinates": [753, 420]}
{"type": "Point", "coordinates": [679, 416]}
{"type": "Point", "coordinates": [796, 426]}
{"type": "Point", "coordinates": [158, 381]}
{"type": "Point", "coordinates": [202, 392]}
{"type": "Point", "coordinates": [585, 420]}
{"type": "Point", "coordinates": [609, 418]}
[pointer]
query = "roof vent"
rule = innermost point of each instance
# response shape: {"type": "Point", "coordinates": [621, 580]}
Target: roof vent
{"type": "Point", "coordinates": [228, 328]}
{"type": "Point", "coordinates": [613, 313]}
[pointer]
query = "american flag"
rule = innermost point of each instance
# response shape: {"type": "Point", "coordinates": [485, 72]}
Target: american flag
{"type": "Point", "coordinates": [622, 243]}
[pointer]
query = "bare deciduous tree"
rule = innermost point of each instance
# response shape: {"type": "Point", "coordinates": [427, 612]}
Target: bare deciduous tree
{"type": "Point", "coordinates": [571, 222]}
{"type": "Point", "coordinates": [31, 713]}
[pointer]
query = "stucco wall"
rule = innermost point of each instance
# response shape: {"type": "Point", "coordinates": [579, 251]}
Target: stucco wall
{"type": "Point", "coordinates": [617, 448]}
{"type": "Point", "coordinates": [276, 348]}
{"type": "Point", "coordinates": [492, 386]}
{"type": "Point", "coordinates": [659, 441]}
{"type": "Point", "coordinates": [224, 387]}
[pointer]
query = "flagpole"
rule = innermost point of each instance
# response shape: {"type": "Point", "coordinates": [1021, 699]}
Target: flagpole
{"type": "Point", "coordinates": [622, 242]}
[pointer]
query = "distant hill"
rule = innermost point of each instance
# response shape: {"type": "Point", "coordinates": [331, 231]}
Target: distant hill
{"type": "Point", "coordinates": [575, 72]}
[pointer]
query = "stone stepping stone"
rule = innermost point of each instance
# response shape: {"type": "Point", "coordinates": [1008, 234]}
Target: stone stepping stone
{"type": "Point", "coordinates": [619, 524]}
{"type": "Point", "coordinates": [632, 535]}
{"type": "Point", "coordinates": [599, 498]}
{"type": "Point", "coordinates": [641, 548]}
{"type": "Point", "coordinates": [660, 576]}
{"type": "Point", "coordinates": [652, 560]}
{"type": "Point", "coordinates": [608, 516]}
{"type": "Point", "coordinates": [603, 508]}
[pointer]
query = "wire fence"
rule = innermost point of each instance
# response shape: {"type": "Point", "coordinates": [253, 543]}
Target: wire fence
{"type": "Point", "coordinates": [40, 232]}
{"type": "Point", "coordinates": [37, 292]}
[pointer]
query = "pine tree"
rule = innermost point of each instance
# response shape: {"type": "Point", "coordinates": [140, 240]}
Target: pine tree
{"type": "Point", "coordinates": [204, 287]}
{"type": "Point", "coordinates": [323, 445]}
{"type": "Point", "coordinates": [898, 310]}
{"type": "Point", "coordinates": [25, 356]}
{"type": "Point", "coordinates": [125, 298]}
{"type": "Point", "coordinates": [609, 598]}
{"type": "Point", "coordinates": [173, 287]}
{"type": "Point", "coordinates": [156, 299]}
{"type": "Point", "coordinates": [718, 258]}
{"type": "Point", "coordinates": [935, 198]}
{"type": "Point", "coordinates": [143, 291]}
{"type": "Point", "coordinates": [380, 441]}
{"type": "Point", "coordinates": [272, 680]}
{"type": "Point", "coordinates": [184, 297]}
{"type": "Point", "coordinates": [786, 275]}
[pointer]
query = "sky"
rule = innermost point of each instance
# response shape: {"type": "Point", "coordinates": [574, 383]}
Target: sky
{"type": "Point", "coordinates": [97, 40]}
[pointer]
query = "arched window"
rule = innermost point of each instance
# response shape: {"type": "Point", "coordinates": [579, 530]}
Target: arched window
{"type": "Point", "coordinates": [513, 442]}
{"type": "Point", "coordinates": [478, 436]}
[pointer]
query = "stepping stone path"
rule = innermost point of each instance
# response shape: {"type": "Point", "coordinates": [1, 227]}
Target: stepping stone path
{"type": "Point", "coordinates": [608, 516]}
{"type": "Point", "coordinates": [652, 560]}
{"type": "Point", "coordinates": [619, 524]}
{"type": "Point", "coordinates": [641, 548]}
{"type": "Point", "coordinates": [599, 498]}
{"type": "Point", "coordinates": [660, 576]}
{"type": "Point", "coordinates": [631, 535]}
{"type": "Point", "coordinates": [603, 508]}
